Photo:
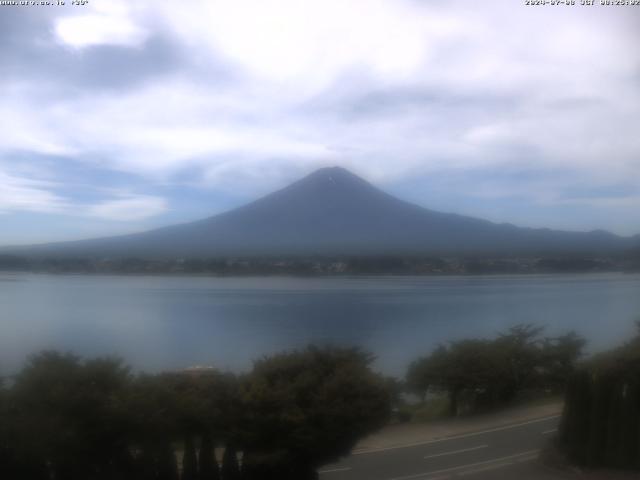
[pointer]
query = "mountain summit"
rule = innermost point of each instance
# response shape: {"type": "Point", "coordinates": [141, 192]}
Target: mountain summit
{"type": "Point", "coordinates": [333, 212]}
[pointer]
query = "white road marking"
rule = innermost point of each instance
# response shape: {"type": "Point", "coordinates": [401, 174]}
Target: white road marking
{"type": "Point", "coordinates": [498, 466]}
{"type": "Point", "coordinates": [499, 462]}
{"type": "Point", "coordinates": [334, 470]}
{"type": "Point", "coordinates": [488, 468]}
{"type": "Point", "coordinates": [455, 437]}
{"type": "Point", "coordinates": [549, 432]}
{"type": "Point", "coordinates": [471, 449]}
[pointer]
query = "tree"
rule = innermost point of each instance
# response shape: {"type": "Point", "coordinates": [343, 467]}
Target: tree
{"type": "Point", "coordinates": [466, 368]}
{"type": "Point", "coordinates": [477, 373]}
{"type": "Point", "coordinates": [152, 407]}
{"type": "Point", "coordinates": [230, 467]}
{"type": "Point", "coordinates": [600, 425]}
{"type": "Point", "coordinates": [560, 356]}
{"type": "Point", "coordinates": [189, 460]}
{"type": "Point", "coordinates": [209, 469]}
{"type": "Point", "coordinates": [426, 373]}
{"type": "Point", "coordinates": [70, 414]}
{"type": "Point", "coordinates": [307, 408]}
{"type": "Point", "coordinates": [520, 350]}
{"type": "Point", "coordinates": [166, 463]}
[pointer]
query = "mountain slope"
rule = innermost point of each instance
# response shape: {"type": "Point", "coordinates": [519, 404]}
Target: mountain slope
{"type": "Point", "coordinates": [332, 211]}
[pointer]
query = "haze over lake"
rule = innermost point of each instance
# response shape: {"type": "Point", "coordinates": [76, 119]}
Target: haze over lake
{"type": "Point", "coordinates": [158, 323]}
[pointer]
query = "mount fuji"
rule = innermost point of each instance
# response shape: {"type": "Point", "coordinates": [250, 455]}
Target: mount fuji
{"type": "Point", "coordinates": [334, 212]}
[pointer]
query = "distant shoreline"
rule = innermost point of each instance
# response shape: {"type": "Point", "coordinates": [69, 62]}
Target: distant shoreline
{"type": "Point", "coordinates": [383, 266]}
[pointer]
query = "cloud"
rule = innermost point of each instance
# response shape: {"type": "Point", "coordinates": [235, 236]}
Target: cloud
{"type": "Point", "coordinates": [23, 194]}
{"type": "Point", "coordinates": [127, 209]}
{"type": "Point", "coordinates": [36, 194]}
{"type": "Point", "coordinates": [37, 57]}
{"type": "Point", "coordinates": [87, 30]}
{"type": "Point", "coordinates": [306, 45]}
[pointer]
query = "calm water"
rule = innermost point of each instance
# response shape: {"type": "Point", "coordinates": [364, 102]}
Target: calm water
{"type": "Point", "coordinates": [168, 322]}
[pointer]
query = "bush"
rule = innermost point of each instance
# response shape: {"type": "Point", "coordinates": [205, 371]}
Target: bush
{"type": "Point", "coordinates": [72, 419]}
{"type": "Point", "coordinates": [601, 422]}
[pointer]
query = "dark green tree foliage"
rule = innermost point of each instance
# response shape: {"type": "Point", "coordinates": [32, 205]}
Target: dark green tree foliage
{"type": "Point", "coordinates": [601, 422]}
{"type": "Point", "coordinates": [574, 431]}
{"type": "Point", "coordinates": [64, 418]}
{"type": "Point", "coordinates": [479, 374]}
{"type": "Point", "coordinates": [230, 467]}
{"type": "Point", "coordinates": [167, 464]}
{"type": "Point", "coordinates": [559, 356]}
{"type": "Point", "coordinates": [152, 408]}
{"type": "Point", "coordinates": [189, 460]}
{"type": "Point", "coordinates": [201, 402]}
{"type": "Point", "coordinates": [464, 368]}
{"type": "Point", "coordinates": [4, 428]}
{"type": "Point", "coordinates": [307, 408]}
{"type": "Point", "coordinates": [69, 414]}
{"type": "Point", "coordinates": [520, 353]}
{"type": "Point", "coordinates": [209, 469]}
{"type": "Point", "coordinates": [273, 466]}
{"type": "Point", "coordinates": [426, 373]}
{"type": "Point", "coordinates": [146, 465]}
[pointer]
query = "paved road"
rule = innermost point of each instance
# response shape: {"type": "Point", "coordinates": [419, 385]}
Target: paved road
{"type": "Point", "coordinates": [507, 452]}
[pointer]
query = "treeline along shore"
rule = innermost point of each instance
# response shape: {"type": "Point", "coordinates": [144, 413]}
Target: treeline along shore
{"type": "Point", "coordinates": [323, 265]}
{"type": "Point", "coordinates": [67, 418]}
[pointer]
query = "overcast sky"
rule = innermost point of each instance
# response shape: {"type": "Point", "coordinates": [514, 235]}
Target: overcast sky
{"type": "Point", "coordinates": [120, 116]}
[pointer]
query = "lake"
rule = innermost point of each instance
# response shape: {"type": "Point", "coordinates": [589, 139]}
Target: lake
{"type": "Point", "coordinates": [158, 323]}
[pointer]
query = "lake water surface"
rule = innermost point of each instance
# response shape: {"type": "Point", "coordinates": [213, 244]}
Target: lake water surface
{"type": "Point", "coordinates": [173, 322]}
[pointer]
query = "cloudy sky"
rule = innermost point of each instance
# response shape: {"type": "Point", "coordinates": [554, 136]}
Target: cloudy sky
{"type": "Point", "coordinates": [119, 116]}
